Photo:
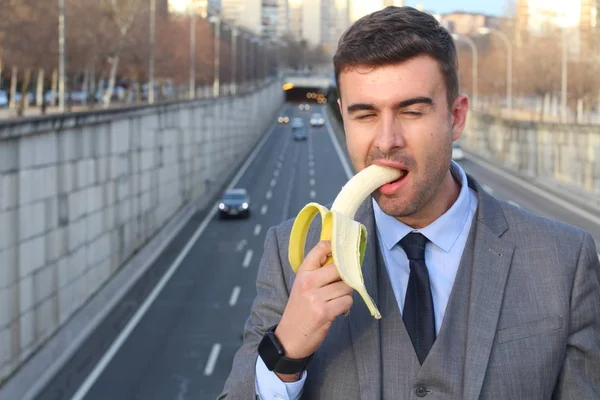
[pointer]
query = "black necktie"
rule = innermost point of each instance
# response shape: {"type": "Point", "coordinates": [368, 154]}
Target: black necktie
{"type": "Point", "coordinates": [418, 312]}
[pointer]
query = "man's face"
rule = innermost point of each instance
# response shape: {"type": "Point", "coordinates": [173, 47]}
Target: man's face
{"type": "Point", "coordinates": [398, 115]}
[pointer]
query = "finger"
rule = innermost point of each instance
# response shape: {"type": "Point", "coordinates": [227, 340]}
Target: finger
{"type": "Point", "coordinates": [338, 306]}
{"type": "Point", "coordinates": [316, 257]}
{"type": "Point", "coordinates": [325, 275]}
{"type": "Point", "coordinates": [335, 290]}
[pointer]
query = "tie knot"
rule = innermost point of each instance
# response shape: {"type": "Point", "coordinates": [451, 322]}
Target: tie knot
{"type": "Point", "coordinates": [414, 245]}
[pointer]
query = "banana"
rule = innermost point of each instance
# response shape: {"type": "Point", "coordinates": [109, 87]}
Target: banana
{"type": "Point", "coordinates": [348, 237]}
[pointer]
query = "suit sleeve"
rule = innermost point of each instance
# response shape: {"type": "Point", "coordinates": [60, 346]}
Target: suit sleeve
{"type": "Point", "coordinates": [271, 297]}
{"type": "Point", "coordinates": [580, 374]}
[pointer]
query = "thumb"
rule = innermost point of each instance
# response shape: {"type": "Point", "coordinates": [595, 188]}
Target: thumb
{"type": "Point", "coordinates": [316, 257]}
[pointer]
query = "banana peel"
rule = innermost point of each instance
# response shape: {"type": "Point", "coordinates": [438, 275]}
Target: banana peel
{"type": "Point", "coordinates": [348, 237]}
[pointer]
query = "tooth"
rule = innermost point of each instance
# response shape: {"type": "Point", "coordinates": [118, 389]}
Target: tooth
{"type": "Point", "coordinates": [348, 237]}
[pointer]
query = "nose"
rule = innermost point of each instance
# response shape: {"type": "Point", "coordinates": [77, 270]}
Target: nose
{"type": "Point", "coordinates": [389, 134]}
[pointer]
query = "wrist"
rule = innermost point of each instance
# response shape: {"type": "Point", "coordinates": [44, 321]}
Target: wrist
{"type": "Point", "coordinates": [277, 360]}
{"type": "Point", "coordinates": [291, 351]}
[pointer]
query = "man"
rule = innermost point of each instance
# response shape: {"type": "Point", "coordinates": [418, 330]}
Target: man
{"type": "Point", "coordinates": [479, 299]}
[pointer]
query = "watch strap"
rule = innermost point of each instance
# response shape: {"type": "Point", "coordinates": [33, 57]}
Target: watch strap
{"type": "Point", "coordinates": [286, 365]}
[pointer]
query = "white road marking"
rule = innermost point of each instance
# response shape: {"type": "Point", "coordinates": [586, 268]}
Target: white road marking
{"type": "Point", "coordinates": [487, 188]}
{"type": "Point", "coordinates": [312, 182]}
{"type": "Point", "coordinates": [276, 172]}
{"type": "Point", "coordinates": [247, 258]}
{"type": "Point", "coordinates": [234, 296]}
{"type": "Point", "coordinates": [288, 194]}
{"type": "Point", "coordinates": [311, 172]}
{"type": "Point", "coordinates": [279, 164]}
{"type": "Point", "coordinates": [269, 194]}
{"type": "Point", "coordinates": [212, 359]}
{"type": "Point", "coordinates": [116, 345]}
{"type": "Point", "coordinates": [313, 194]}
{"type": "Point", "coordinates": [513, 203]}
{"type": "Point", "coordinates": [257, 229]}
{"type": "Point", "coordinates": [311, 164]}
{"type": "Point", "coordinates": [310, 157]}
{"type": "Point", "coordinates": [273, 182]}
{"type": "Point", "coordinates": [338, 149]}
{"type": "Point", "coordinates": [240, 246]}
{"type": "Point", "coordinates": [263, 210]}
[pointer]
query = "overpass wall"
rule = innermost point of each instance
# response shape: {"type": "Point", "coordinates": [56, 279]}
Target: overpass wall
{"type": "Point", "coordinates": [563, 155]}
{"type": "Point", "coordinates": [81, 193]}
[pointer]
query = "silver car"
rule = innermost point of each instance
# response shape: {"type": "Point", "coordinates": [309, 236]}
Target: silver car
{"type": "Point", "coordinates": [317, 120]}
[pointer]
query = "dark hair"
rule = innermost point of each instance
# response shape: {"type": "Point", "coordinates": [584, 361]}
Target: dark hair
{"type": "Point", "coordinates": [396, 34]}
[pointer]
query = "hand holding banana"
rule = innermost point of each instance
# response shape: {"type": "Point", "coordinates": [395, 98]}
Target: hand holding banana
{"type": "Point", "coordinates": [317, 297]}
{"type": "Point", "coordinates": [348, 237]}
{"type": "Point", "coordinates": [326, 278]}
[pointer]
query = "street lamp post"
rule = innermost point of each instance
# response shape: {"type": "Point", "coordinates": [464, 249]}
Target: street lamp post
{"type": "Point", "coordinates": [252, 55]}
{"type": "Point", "coordinates": [192, 93]}
{"type": "Point", "coordinates": [151, 61]}
{"type": "Point", "coordinates": [509, 62]}
{"type": "Point", "coordinates": [264, 52]}
{"type": "Point", "coordinates": [217, 56]}
{"type": "Point", "coordinates": [563, 94]}
{"type": "Point", "coordinates": [234, 60]}
{"type": "Point", "coordinates": [470, 42]}
{"type": "Point", "coordinates": [243, 60]}
{"type": "Point", "coordinates": [61, 55]}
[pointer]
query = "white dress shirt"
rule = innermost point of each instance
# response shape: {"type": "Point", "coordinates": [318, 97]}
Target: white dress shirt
{"type": "Point", "coordinates": [447, 238]}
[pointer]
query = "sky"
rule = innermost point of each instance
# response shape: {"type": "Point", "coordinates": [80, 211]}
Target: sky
{"type": "Point", "coordinates": [490, 7]}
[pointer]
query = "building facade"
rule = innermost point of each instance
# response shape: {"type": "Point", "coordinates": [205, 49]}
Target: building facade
{"type": "Point", "coordinates": [578, 20]}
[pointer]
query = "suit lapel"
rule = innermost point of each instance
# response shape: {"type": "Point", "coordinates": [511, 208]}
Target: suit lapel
{"type": "Point", "coordinates": [364, 328]}
{"type": "Point", "coordinates": [491, 264]}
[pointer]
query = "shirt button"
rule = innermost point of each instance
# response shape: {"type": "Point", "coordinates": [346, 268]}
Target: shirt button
{"type": "Point", "coordinates": [421, 391]}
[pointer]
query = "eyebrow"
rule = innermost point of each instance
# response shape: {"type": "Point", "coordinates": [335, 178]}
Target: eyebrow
{"type": "Point", "coordinates": [404, 103]}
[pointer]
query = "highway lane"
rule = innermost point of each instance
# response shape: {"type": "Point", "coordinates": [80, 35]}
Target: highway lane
{"type": "Point", "coordinates": [184, 344]}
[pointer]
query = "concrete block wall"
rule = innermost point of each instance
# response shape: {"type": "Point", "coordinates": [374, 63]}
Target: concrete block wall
{"type": "Point", "coordinates": [79, 194]}
{"type": "Point", "coordinates": [567, 154]}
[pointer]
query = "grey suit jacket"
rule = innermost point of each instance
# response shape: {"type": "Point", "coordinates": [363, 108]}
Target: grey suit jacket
{"type": "Point", "coordinates": [533, 326]}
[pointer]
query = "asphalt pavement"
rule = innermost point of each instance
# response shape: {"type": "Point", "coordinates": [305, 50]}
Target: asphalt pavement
{"type": "Point", "coordinates": [177, 335]}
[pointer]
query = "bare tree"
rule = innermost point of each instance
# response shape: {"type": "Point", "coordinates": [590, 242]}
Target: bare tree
{"type": "Point", "coordinates": [123, 13]}
{"type": "Point", "coordinates": [538, 66]}
{"type": "Point", "coordinates": [28, 33]}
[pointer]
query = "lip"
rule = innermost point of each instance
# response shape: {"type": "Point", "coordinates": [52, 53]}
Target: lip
{"type": "Point", "coordinates": [391, 188]}
{"type": "Point", "coordinates": [389, 163]}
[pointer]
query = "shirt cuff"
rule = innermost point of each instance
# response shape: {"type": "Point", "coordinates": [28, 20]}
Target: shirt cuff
{"type": "Point", "coordinates": [270, 387]}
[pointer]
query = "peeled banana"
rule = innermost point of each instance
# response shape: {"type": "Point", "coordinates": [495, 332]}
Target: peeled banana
{"type": "Point", "coordinates": [348, 237]}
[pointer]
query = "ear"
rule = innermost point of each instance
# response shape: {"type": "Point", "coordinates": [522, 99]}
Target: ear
{"type": "Point", "coordinates": [459, 111]}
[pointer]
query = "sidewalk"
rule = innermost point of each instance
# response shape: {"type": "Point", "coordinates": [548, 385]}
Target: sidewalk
{"type": "Point", "coordinates": [10, 113]}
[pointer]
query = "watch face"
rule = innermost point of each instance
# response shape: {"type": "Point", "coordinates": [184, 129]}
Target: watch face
{"type": "Point", "coordinates": [270, 350]}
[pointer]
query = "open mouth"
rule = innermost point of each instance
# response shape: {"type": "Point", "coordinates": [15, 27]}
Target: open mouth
{"type": "Point", "coordinates": [393, 186]}
{"type": "Point", "coordinates": [404, 172]}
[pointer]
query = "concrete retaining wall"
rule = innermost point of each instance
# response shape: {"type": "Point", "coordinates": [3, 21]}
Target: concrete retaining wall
{"type": "Point", "coordinates": [566, 154]}
{"type": "Point", "coordinates": [80, 194]}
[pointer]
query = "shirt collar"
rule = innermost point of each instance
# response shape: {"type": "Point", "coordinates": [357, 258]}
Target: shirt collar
{"type": "Point", "coordinates": [443, 232]}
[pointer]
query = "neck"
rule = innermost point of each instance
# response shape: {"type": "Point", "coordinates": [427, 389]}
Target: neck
{"type": "Point", "coordinates": [442, 200]}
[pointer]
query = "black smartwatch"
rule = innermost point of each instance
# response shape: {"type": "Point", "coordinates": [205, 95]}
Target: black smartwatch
{"type": "Point", "coordinates": [272, 353]}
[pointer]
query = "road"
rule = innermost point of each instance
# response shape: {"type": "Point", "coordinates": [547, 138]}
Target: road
{"type": "Point", "coordinates": [175, 337]}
